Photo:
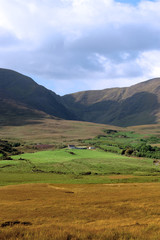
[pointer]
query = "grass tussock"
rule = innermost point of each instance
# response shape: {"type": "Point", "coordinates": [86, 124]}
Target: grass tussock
{"type": "Point", "coordinates": [56, 233]}
{"type": "Point", "coordinates": [91, 212]}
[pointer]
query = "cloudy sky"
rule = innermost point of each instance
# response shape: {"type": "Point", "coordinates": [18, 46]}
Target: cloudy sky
{"type": "Point", "coordinates": [75, 45]}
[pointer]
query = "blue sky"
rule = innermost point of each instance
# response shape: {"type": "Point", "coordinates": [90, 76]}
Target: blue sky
{"type": "Point", "coordinates": [75, 45]}
{"type": "Point", "coordinates": [134, 2]}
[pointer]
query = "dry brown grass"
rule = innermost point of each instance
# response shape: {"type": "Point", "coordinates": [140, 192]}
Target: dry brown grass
{"type": "Point", "coordinates": [78, 212]}
{"type": "Point", "coordinates": [121, 176]}
{"type": "Point", "coordinates": [156, 145]}
{"type": "Point", "coordinates": [146, 129]}
{"type": "Point", "coordinates": [53, 131]}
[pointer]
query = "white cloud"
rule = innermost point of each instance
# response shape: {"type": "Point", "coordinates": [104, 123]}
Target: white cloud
{"type": "Point", "coordinates": [150, 63]}
{"type": "Point", "coordinates": [87, 43]}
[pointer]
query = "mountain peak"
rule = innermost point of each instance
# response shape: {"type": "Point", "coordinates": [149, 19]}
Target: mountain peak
{"type": "Point", "coordinates": [24, 91]}
{"type": "Point", "coordinates": [135, 105]}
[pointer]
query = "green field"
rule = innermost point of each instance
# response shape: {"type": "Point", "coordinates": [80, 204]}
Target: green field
{"type": "Point", "coordinates": [76, 166]}
{"type": "Point", "coordinates": [127, 143]}
{"type": "Point", "coordinates": [82, 161]}
{"type": "Point", "coordinates": [120, 156]}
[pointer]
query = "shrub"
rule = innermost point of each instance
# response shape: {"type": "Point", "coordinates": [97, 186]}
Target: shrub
{"type": "Point", "coordinates": [17, 144]}
{"type": "Point", "coordinates": [128, 151]}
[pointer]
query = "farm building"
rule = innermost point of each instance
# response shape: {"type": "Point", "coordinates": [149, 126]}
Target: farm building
{"type": "Point", "coordinates": [76, 147]}
{"type": "Point", "coordinates": [90, 148]}
{"type": "Point", "coordinates": [71, 147]}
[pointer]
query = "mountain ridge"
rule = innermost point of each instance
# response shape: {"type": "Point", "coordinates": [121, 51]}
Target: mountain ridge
{"type": "Point", "coordinates": [135, 105]}
{"type": "Point", "coordinates": [24, 91]}
{"type": "Point", "coordinates": [122, 90]}
{"type": "Point", "coordinates": [21, 99]}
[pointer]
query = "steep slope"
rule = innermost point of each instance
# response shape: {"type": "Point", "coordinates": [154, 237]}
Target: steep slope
{"type": "Point", "coordinates": [16, 114]}
{"type": "Point", "coordinates": [23, 100]}
{"type": "Point", "coordinates": [20, 93]}
{"type": "Point", "coordinates": [135, 105]}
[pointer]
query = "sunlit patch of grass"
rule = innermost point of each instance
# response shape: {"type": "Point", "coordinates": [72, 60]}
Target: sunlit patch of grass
{"type": "Point", "coordinates": [83, 161]}
{"type": "Point", "coordinates": [81, 212]}
{"type": "Point", "coordinates": [82, 166]}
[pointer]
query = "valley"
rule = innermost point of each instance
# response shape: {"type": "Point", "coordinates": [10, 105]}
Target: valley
{"type": "Point", "coordinates": [106, 187]}
{"type": "Point", "coordinates": [43, 154]}
{"type": "Point", "coordinates": [48, 191]}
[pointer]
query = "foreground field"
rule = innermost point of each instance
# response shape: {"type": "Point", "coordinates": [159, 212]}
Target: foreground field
{"type": "Point", "coordinates": [80, 212]}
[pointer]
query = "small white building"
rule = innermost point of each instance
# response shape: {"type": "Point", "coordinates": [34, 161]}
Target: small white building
{"type": "Point", "coordinates": [90, 148]}
{"type": "Point", "coordinates": [71, 147]}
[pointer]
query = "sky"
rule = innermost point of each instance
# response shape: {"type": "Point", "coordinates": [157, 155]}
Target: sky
{"type": "Point", "coordinates": [76, 45]}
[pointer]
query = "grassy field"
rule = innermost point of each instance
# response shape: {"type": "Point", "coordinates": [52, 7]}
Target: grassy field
{"type": "Point", "coordinates": [82, 161]}
{"type": "Point", "coordinates": [120, 141]}
{"type": "Point", "coordinates": [146, 129]}
{"type": "Point", "coordinates": [52, 131]}
{"type": "Point", "coordinates": [63, 131]}
{"type": "Point", "coordinates": [63, 194]}
{"type": "Point", "coordinates": [80, 212]}
{"type": "Point", "coordinates": [77, 166]}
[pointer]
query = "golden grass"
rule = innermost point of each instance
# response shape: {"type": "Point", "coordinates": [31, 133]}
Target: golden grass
{"type": "Point", "coordinates": [146, 129]}
{"type": "Point", "coordinates": [53, 131]}
{"type": "Point", "coordinates": [121, 176]}
{"type": "Point", "coordinates": [156, 145]}
{"type": "Point", "coordinates": [79, 212]}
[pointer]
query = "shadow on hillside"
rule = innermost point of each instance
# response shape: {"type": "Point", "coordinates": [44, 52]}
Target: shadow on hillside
{"type": "Point", "coordinates": [138, 109]}
{"type": "Point", "coordinates": [22, 121]}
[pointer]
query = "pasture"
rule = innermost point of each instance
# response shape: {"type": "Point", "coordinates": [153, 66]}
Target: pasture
{"type": "Point", "coordinates": [76, 166]}
{"type": "Point", "coordinates": [77, 161]}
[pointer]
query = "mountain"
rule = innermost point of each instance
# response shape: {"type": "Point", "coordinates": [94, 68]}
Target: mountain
{"type": "Point", "coordinates": [22, 98]}
{"type": "Point", "coordinates": [135, 105]}
{"type": "Point", "coordinates": [13, 113]}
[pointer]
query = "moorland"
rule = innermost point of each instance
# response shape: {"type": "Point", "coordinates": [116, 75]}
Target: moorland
{"type": "Point", "coordinates": [94, 211]}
